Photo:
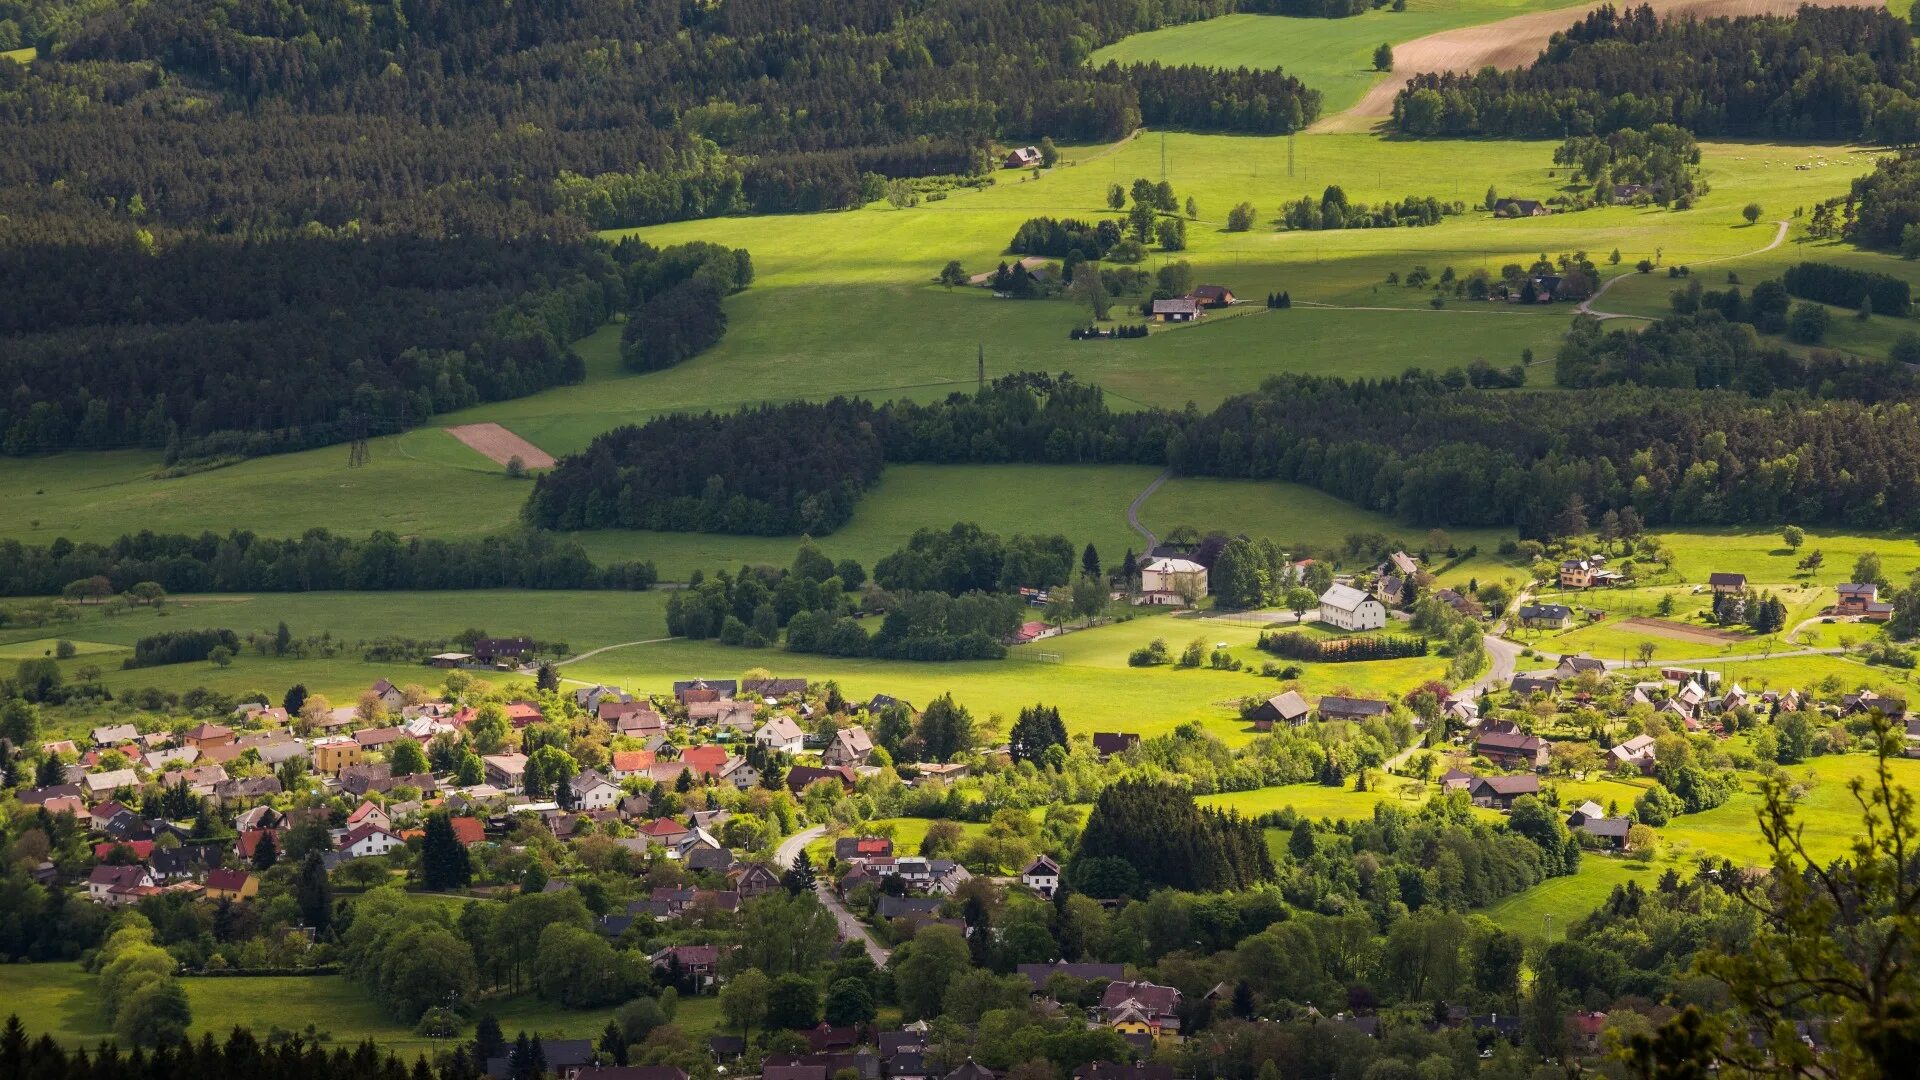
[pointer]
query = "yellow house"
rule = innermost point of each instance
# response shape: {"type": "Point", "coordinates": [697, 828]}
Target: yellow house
{"type": "Point", "coordinates": [231, 885]}
{"type": "Point", "coordinates": [332, 755]}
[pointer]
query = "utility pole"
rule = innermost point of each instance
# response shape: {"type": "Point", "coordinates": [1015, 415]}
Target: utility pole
{"type": "Point", "coordinates": [983, 364]}
{"type": "Point", "coordinates": [1163, 155]}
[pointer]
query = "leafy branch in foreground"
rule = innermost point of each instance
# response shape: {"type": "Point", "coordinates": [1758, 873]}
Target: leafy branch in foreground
{"type": "Point", "coordinates": [1834, 951]}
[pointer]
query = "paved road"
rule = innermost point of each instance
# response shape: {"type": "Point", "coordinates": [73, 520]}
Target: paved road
{"type": "Point", "coordinates": [850, 927]}
{"type": "Point", "coordinates": [1133, 512]}
{"type": "Point", "coordinates": [1585, 307]}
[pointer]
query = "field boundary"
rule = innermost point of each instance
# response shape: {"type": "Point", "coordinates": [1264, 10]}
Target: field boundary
{"type": "Point", "coordinates": [500, 445]}
{"type": "Point", "coordinates": [1699, 635]}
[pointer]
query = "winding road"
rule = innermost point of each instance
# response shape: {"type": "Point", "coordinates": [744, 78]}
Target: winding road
{"type": "Point", "coordinates": [1133, 511]}
{"type": "Point", "coordinates": [1585, 307]}
{"type": "Point", "coordinates": [850, 928]}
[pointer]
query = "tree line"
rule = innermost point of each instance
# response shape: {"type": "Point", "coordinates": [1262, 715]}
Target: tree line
{"type": "Point", "coordinates": [1832, 73]}
{"type": "Point", "coordinates": [1707, 344]}
{"type": "Point", "coordinates": [1294, 645]}
{"type": "Point", "coordinates": [316, 561]}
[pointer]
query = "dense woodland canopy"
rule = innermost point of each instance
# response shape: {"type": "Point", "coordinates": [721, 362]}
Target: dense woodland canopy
{"type": "Point", "coordinates": [1828, 73]}
{"type": "Point", "coordinates": [1841, 447]}
{"type": "Point", "coordinates": [238, 229]}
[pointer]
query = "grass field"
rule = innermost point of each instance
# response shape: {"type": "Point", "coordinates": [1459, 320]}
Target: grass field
{"type": "Point", "coordinates": [1333, 56]}
{"type": "Point", "coordinates": [1550, 906]}
{"type": "Point", "coordinates": [1292, 515]}
{"type": "Point", "coordinates": [61, 1000]}
{"type": "Point", "coordinates": [1318, 801]}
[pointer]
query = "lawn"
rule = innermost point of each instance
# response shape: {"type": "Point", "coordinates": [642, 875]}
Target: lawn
{"type": "Point", "coordinates": [1828, 813]}
{"type": "Point", "coordinates": [1333, 56]}
{"type": "Point", "coordinates": [61, 1000]}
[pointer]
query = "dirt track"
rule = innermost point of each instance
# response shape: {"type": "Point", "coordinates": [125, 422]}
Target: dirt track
{"type": "Point", "coordinates": [502, 445]}
{"type": "Point", "coordinates": [1515, 42]}
{"type": "Point", "coordinates": [1699, 635]}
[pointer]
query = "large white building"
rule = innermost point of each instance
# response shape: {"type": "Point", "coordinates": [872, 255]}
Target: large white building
{"type": "Point", "coordinates": [1172, 581]}
{"type": "Point", "coordinates": [1350, 609]}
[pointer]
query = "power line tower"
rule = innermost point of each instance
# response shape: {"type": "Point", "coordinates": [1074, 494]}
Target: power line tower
{"type": "Point", "coordinates": [357, 453]}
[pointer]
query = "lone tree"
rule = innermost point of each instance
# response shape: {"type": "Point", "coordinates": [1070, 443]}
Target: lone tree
{"type": "Point", "coordinates": [516, 466]}
{"type": "Point", "coordinates": [1751, 212]}
{"type": "Point", "coordinates": [1383, 57]}
{"type": "Point", "coordinates": [800, 877]}
{"type": "Point", "coordinates": [1794, 537]}
{"type": "Point", "coordinates": [443, 861]}
{"type": "Point", "coordinates": [953, 274]}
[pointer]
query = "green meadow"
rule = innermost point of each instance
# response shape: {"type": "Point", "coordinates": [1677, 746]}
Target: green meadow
{"type": "Point", "coordinates": [1333, 56]}
{"type": "Point", "coordinates": [63, 1001]}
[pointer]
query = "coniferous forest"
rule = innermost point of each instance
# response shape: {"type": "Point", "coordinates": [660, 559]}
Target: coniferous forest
{"type": "Point", "coordinates": [1828, 73]}
{"type": "Point", "coordinates": [387, 209]}
{"type": "Point", "coordinates": [1697, 424]}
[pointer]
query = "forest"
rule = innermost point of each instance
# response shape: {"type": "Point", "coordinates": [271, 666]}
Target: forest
{"type": "Point", "coordinates": [317, 561]}
{"type": "Point", "coordinates": [1707, 345]}
{"type": "Point", "coordinates": [1421, 447]}
{"type": "Point", "coordinates": [1828, 73]}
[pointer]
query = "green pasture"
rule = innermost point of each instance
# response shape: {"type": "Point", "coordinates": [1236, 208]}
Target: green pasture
{"type": "Point", "coordinates": [1554, 904]}
{"type": "Point", "coordinates": [35, 648]}
{"type": "Point", "coordinates": [1333, 56]}
{"type": "Point", "coordinates": [1828, 813]}
{"type": "Point", "coordinates": [1319, 801]}
{"type": "Point", "coordinates": [1292, 515]}
{"type": "Point", "coordinates": [63, 1001]}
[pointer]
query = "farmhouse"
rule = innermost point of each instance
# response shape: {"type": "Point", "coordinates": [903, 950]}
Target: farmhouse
{"type": "Point", "coordinates": [1024, 157]}
{"type": "Point", "coordinates": [850, 746]}
{"type": "Point", "coordinates": [1177, 309]}
{"type": "Point", "coordinates": [1108, 743]}
{"type": "Point", "coordinates": [1570, 666]}
{"type": "Point", "coordinates": [1351, 708]}
{"type": "Point", "coordinates": [1213, 296]}
{"type": "Point", "coordinates": [1042, 875]}
{"type": "Point", "coordinates": [1529, 685]}
{"type": "Point", "coordinates": [1610, 831]}
{"type": "Point", "coordinates": [1350, 609]}
{"type": "Point", "coordinates": [1499, 792]}
{"type": "Point", "coordinates": [1546, 616]}
{"type": "Point", "coordinates": [489, 650]}
{"type": "Point", "coordinates": [781, 734]}
{"type": "Point", "coordinates": [1513, 750]}
{"type": "Point", "coordinates": [1863, 600]}
{"type": "Point", "coordinates": [1172, 581]}
{"type": "Point", "coordinates": [391, 698]}
{"type": "Point", "coordinates": [1587, 573]}
{"type": "Point", "coordinates": [1289, 708]}
{"type": "Point", "coordinates": [1518, 208]}
{"type": "Point", "coordinates": [1456, 779]}
{"type": "Point", "coordinates": [1637, 751]}
{"type": "Point", "coordinates": [1727, 584]}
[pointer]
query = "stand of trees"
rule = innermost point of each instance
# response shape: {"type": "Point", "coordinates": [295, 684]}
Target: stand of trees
{"type": "Point", "coordinates": [1157, 836]}
{"type": "Point", "coordinates": [1830, 73]}
{"type": "Point", "coordinates": [316, 561]}
{"type": "Point", "coordinates": [1333, 211]}
{"type": "Point", "coordinates": [764, 471]}
{"type": "Point", "coordinates": [1709, 346]}
{"type": "Point", "coordinates": [216, 345]}
{"type": "Point", "coordinates": [1423, 447]}
{"type": "Point", "coordinates": [1844, 286]}
{"type": "Point", "coordinates": [966, 558]}
{"type": "Point", "coordinates": [180, 647]}
{"type": "Point", "coordinates": [1294, 645]}
{"type": "Point", "coordinates": [676, 294]}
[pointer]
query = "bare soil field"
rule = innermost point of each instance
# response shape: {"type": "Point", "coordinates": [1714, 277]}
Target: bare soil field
{"type": "Point", "coordinates": [1699, 635]}
{"type": "Point", "coordinates": [501, 445]}
{"type": "Point", "coordinates": [1514, 42]}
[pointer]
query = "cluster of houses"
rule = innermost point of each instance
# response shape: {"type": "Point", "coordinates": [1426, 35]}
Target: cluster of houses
{"type": "Point", "coordinates": [355, 762]}
{"type": "Point", "coordinates": [1291, 709]}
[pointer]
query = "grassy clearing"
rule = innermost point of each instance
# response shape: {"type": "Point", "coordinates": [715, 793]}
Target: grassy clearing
{"type": "Point", "coordinates": [1292, 515]}
{"type": "Point", "coordinates": [1334, 56]}
{"type": "Point", "coordinates": [21, 56]}
{"type": "Point", "coordinates": [46, 646]}
{"type": "Point", "coordinates": [1553, 904]}
{"type": "Point", "coordinates": [62, 1000]}
{"type": "Point", "coordinates": [1085, 503]}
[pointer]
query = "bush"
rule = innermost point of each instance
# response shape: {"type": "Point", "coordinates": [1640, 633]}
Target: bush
{"type": "Point", "coordinates": [181, 647]}
{"type": "Point", "coordinates": [1151, 655]}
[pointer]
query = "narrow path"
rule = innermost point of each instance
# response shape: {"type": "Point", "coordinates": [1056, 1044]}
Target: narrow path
{"type": "Point", "coordinates": [607, 648]}
{"type": "Point", "coordinates": [1585, 307]}
{"type": "Point", "coordinates": [851, 929]}
{"type": "Point", "coordinates": [1133, 510]}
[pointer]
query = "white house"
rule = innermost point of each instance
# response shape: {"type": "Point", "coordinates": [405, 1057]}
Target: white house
{"type": "Point", "coordinates": [591, 791]}
{"type": "Point", "coordinates": [105, 879]}
{"type": "Point", "coordinates": [1042, 876]}
{"type": "Point", "coordinates": [782, 734]}
{"type": "Point", "coordinates": [1172, 581]}
{"type": "Point", "coordinates": [1350, 609]}
{"type": "Point", "coordinates": [368, 839]}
